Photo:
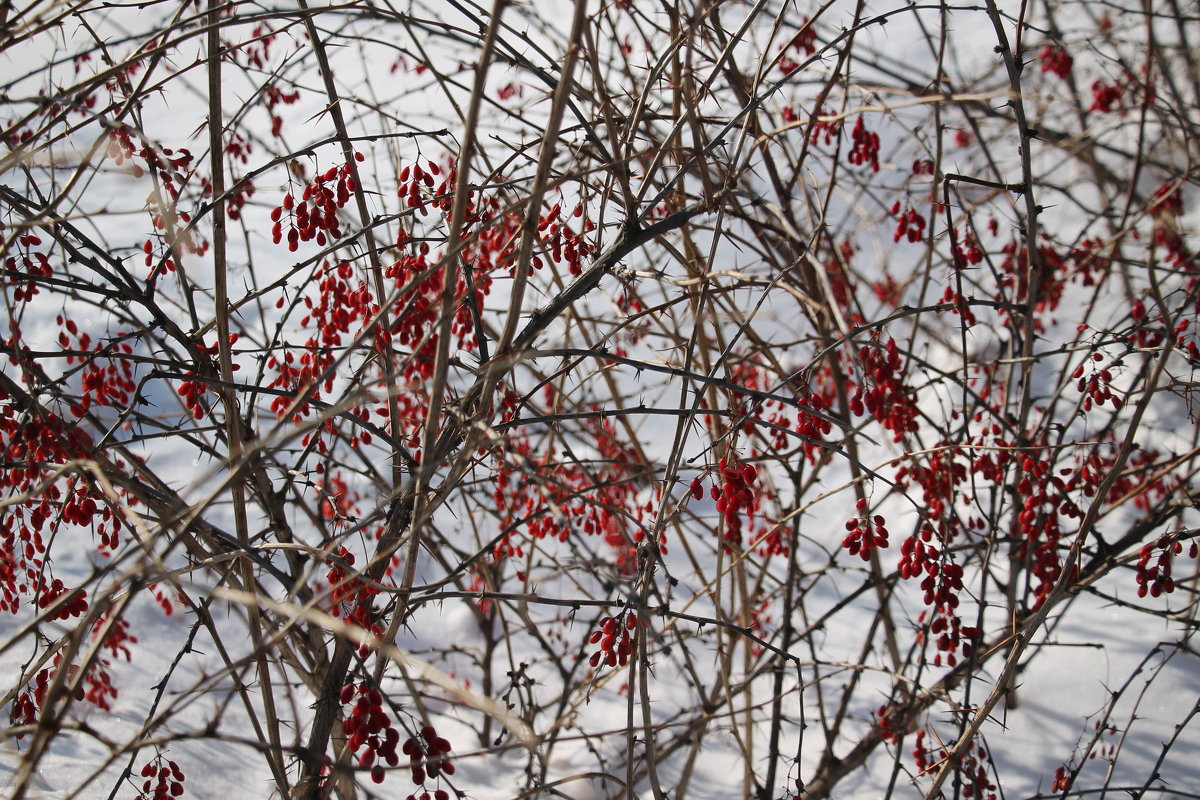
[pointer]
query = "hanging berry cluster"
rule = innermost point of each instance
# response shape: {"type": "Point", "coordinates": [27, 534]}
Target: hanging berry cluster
{"type": "Point", "coordinates": [922, 166]}
{"type": "Point", "coordinates": [415, 184]}
{"type": "Point", "coordinates": [314, 216]}
{"type": "Point", "coordinates": [1038, 519]}
{"type": "Point", "coordinates": [735, 497]}
{"type": "Point", "coordinates": [29, 265]}
{"type": "Point", "coordinates": [883, 392]}
{"type": "Point", "coordinates": [339, 503]}
{"type": "Point", "coordinates": [1166, 206]}
{"type": "Point", "coordinates": [351, 595]}
{"type": "Point", "coordinates": [910, 224]}
{"type": "Point", "coordinates": [105, 381]}
{"type": "Point", "coordinates": [118, 639]}
{"type": "Point", "coordinates": [824, 128]}
{"type": "Point", "coordinates": [805, 41]}
{"type": "Point", "coordinates": [193, 391]}
{"type": "Point", "coordinates": [615, 644]}
{"type": "Point", "coordinates": [164, 780]}
{"type": "Point", "coordinates": [74, 605]}
{"type": "Point", "coordinates": [770, 418]}
{"type": "Point", "coordinates": [28, 442]}
{"type": "Point", "coordinates": [972, 768]}
{"type": "Point", "coordinates": [957, 305]}
{"type": "Point", "coordinates": [368, 728]}
{"type": "Point", "coordinates": [339, 311]}
{"type": "Point", "coordinates": [1096, 385]}
{"type": "Point", "coordinates": [489, 249]}
{"type": "Point", "coordinates": [973, 774]}
{"type": "Point", "coordinates": [415, 327]}
{"type": "Point", "coordinates": [837, 270]}
{"type": "Point", "coordinates": [918, 554]}
{"type": "Point", "coordinates": [864, 534]}
{"type": "Point", "coordinates": [121, 148]}
{"type": "Point", "coordinates": [96, 688]}
{"type": "Point", "coordinates": [428, 757]}
{"type": "Point", "coordinates": [948, 633]}
{"type": "Point", "coordinates": [812, 427]}
{"type": "Point", "coordinates": [173, 167]}
{"type": "Point", "coordinates": [1107, 98]}
{"type": "Point", "coordinates": [923, 557]}
{"type": "Point", "coordinates": [25, 706]}
{"type": "Point", "coordinates": [174, 170]}
{"type": "Point", "coordinates": [1056, 61]}
{"type": "Point", "coordinates": [892, 725]}
{"type": "Point", "coordinates": [1051, 274]}
{"type": "Point", "coordinates": [967, 252]}
{"type": "Point", "coordinates": [926, 758]}
{"type": "Point", "coordinates": [562, 242]}
{"type": "Point", "coordinates": [865, 148]}
{"type": "Point", "coordinates": [600, 499]}
{"type": "Point", "coordinates": [1156, 580]}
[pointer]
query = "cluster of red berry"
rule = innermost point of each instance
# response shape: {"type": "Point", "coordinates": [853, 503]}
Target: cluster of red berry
{"type": "Point", "coordinates": [1107, 98]}
{"type": "Point", "coordinates": [1039, 518]}
{"type": "Point", "coordinates": [352, 596]}
{"type": "Point", "coordinates": [812, 427]}
{"type": "Point", "coordinates": [164, 780]}
{"type": "Point", "coordinates": [427, 755]}
{"type": "Point", "coordinates": [118, 639]}
{"type": "Point", "coordinates": [864, 534]}
{"type": "Point", "coordinates": [824, 128]}
{"type": "Point", "coordinates": [411, 180]}
{"type": "Point", "coordinates": [967, 252]}
{"type": "Point", "coordinates": [34, 263]}
{"type": "Point", "coordinates": [598, 501]}
{"type": "Point", "coordinates": [565, 244]}
{"type": "Point", "coordinates": [865, 149]}
{"type": "Point", "coordinates": [1167, 207]}
{"type": "Point", "coordinates": [1056, 61]}
{"type": "Point", "coordinates": [910, 225]}
{"type": "Point", "coordinates": [882, 391]}
{"type": "Point", "coordinates": [25, 706]}
{"type": "Point", "coordinates": [941, 585]}
{"type": "Point", "coordinates": [1096, 387]}
{"type": "Point", "coordinates": [369, 729]}
{"type": "Point", "coordinates": [342, 306]}
{"type": "Point", "coordinates": [105, 382]}
{"type": "Point", "coordinates": [97, 688]}
{"type": "Point", "coordinates": [958, 305]}
{"type": "Point", "coordinates": [735, 496]}
{"type": "Point", "coordinates": [973, 771]}
{"type": "Point", "coordinates": [192, 393]}
{"type": "Point", "coordinates": [917, 554]}
{"type": "Point", "coordinates": [1156, 580]}
{"type": "Point", "coordinates": [613, 650]}
{"type": "Point", "coordinates": [193, 390]}
{"type": "Point", "coordinates": [924, 757]}
{"type": "Point", "coordinates": [75, 605]}
{"type": "Point", "coordinates": [892, 726]}
{"type": "Point", "coordinates": [922, 166]}
{"type": "Point", "coordinates": [805, 41]}
{"type": "Point", "coordinates": [315, 214]}
{"type": "Point", "coordinates": [27, 445]}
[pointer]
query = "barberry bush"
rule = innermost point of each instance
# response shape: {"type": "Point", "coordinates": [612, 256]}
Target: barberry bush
{"type": "Point", "coordinates": [614, 398]}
